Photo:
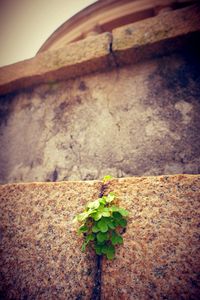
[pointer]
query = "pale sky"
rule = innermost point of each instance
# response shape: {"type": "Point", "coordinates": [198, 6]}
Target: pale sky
{"type": "Point", "coordinates": [26, 24]}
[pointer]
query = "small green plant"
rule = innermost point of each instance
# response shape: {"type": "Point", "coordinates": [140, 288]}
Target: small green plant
{"type": "Point", "coordinates": [101, 223]}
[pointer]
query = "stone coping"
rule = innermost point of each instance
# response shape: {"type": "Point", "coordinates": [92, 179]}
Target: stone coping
{"type": "Point", "coordinates": [40, 250]}
{"type": "Point", "coordinates": [128, 44]}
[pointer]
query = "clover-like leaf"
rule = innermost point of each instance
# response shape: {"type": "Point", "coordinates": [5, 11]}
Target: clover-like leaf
{"type": "Point", "coordinates": [95, 228]}
{"type": "Point", "coordinates": [116, 238]}
{"type": "Point", "coordinates": [110, 251]}
{"type": "Point", "coordinates": [86, 242]}
{"type": "Point", "coordinates": [83, 246]}
{"type": "Point", "coordinates": [102, 236]}
{"type": "Point", "coordinates": [105, 212]}
{"type": "Point", "coordinates": [123, 212]}
{"type": "Point", "coordinates": [96, 215]}
{"type": "Point", "coordinates": [110, 222]}
{"type": "Point", "coordinates": [122, 222]}
{"type": "Point", "coordinates": [90, 237]}
{"type": "Point", "coordinates": [114, 208]}
{"type": "Point", "coordinates": [93, 205]}
{"type": "Point", "coordinates": [102, 200]}
{"type": "Point", "coordinates": [82, 216]}
{"type": "Point", "coordinates": [107, 178]}
{"type": "Point", "coordinates": [102, 225]}
{"type": "Point", "coordinates": [82, 229]}
{"type": "Point", "coordinates": [98, 249]}
{"type": "Point", "coordinates": [117, 215]}
{"type": "Point", "coordinates": [111, 196]}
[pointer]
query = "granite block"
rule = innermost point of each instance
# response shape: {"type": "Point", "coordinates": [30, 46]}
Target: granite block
{"type": "Point", "coordinates": [39, 247]}
{"type": "Point", "coordinates": [160, 258]}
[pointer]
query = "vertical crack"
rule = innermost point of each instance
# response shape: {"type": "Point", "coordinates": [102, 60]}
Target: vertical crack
{"type": "Point", "coordinates": [113, 54]}
{"type": "Point", "coordinates": [96, 293]}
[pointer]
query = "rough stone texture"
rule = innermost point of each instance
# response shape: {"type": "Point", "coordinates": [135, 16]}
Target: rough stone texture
{"type": "Point", "coordinates": [129, 44]}
{"type": "Point", "coordinates": [155, 36]}
{"type": "Point", "coordinates": [83, 57]}
{"type": "Point", "coordinates": [137, 120]}
{"type": "Point", "coordinates": [40, 250]}
{"type": "Point", "coordinates": [160, 258]}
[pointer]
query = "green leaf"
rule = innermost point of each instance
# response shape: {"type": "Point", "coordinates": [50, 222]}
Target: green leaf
{"type": "Point", "coordinates": [102, 200]}
{"type": "Point", "coordinates": [83, 246]}
{"type": "Point", "coordinates": [98, 249]}
{"type": "Point", "coordinates": [102, 236]}
{"type": "Point", "coordinates": [123, 212]}
{"type": "Point", "coordinates": [90, 237]}
{"type": "Point", "coordinates": [110, 223]}
{"type": "Point", "coordinates": [90, 212]}
{"type": "Point", "coordinates": [82, 229]}
{"type": "Point", "coordinates": [122, 222]}
{"type": "Point", "coordinates": [107, 178]}
{"type": "Point", "coordinates": [111, 196]}
{"type": "Point", "coordinates": [104, 249]}
{"type": "Point", "coordinates": [116, 239]}
{"type": "Point", "coordinates": [102, 225]}
{"type": "Point", "coordinates": [114, 208]}
{"type": "Point", "coordinates": [105, 212]}
{"type": "Point", "coordinates": [83, 216]}
{"type": "Point", "coordinates": [110, 255]}
{"type": "Point", "coordinates": [110, 252]}
{"type": "Point", "coordinates": [96, 216]}
{"type": "Point", "coordinates": [117, 215]}
{"type": "Point", "coordinates": [95, 228]}
{"type": "Point", "coordinates": [119, 210]}
{"type": "Point", "coordinates": [93, 205]}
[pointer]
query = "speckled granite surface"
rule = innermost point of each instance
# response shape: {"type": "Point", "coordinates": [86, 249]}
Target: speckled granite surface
{"type": "Point", "coordinates": [40, 253]}
{"type": "Point", "coordinates": [160, 258]}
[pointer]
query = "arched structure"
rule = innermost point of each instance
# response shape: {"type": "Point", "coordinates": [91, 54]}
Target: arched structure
{"type": "Point", "coordinates": [106, 15]}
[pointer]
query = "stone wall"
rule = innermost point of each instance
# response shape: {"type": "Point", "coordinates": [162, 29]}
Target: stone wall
{"type": "Point", "coordinates": [123, 103]}
{"type": "Point", "coordinates": [140, 119]}
{"type": "Point", "coordinates": [40, 250]}
{"type": "Point", "coordinates": [136, 120]}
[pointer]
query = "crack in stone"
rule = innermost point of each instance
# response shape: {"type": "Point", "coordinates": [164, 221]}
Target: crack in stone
{"type": "Point", "coordinates": [77, 155]}
{"type": "Point", "coordinates": [113, 53]}
{"type": "Point", "coordinates": [96, 293]}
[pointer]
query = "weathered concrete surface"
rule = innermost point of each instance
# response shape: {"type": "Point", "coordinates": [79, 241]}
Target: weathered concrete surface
{"type": "Point", "coordinates": [40, 250]}
{"type": "Point", "coordinates": [137, 120]}
{"type": "Point", "coordinates": [160, 258]}
{"type": "Point", "coordinates": [83, 57]}
{"type": "Point", "coordinates": [155, 36]}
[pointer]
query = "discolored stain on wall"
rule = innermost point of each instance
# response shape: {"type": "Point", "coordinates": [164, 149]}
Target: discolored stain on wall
{"type": "Point", "coordinates": [136, 120]}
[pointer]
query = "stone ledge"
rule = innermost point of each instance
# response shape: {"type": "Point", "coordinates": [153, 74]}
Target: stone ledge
{"type": "Point", "coordinates": [74, 60]}
{"type": "Point", "coordinates": [155, 36]}
{"type": "Point", "coordinates": [129, 44]}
